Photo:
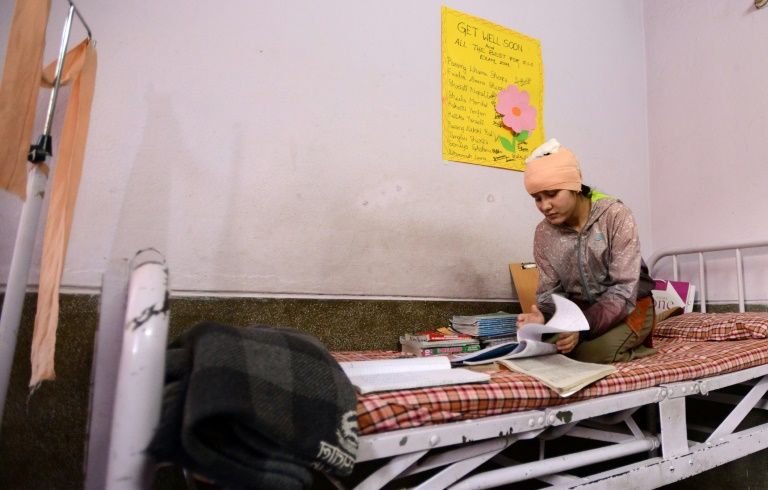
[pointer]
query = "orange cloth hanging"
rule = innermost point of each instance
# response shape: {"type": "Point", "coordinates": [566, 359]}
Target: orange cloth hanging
{"type": "Point", "coordinates": [18, 91]}
{"type": "Point", "coordinates": [79, 70]}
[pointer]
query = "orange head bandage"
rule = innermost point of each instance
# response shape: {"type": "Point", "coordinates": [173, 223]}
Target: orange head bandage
{"type": "Point", "coordinates": [554, 171]}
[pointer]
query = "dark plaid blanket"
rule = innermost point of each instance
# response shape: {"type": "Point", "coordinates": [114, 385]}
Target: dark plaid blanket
{"type": "Point", "coordinates": [255, 407]}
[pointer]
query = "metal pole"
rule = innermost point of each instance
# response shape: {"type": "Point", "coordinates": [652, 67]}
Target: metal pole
{"type": "Point", "coordinates": [740, 279]}
{"type": "Point", "coordinates": [108, 344]}
{"type": "Point", "coordinates": [13, 303]}
{"type": "Point", "coordinates": [59, 68]}
{"type": "Point", "coordinates": [139, 385]}
{"type": "Point", "coordinates": [16, 288]}
{"type": "Point", "coordinates": [702, 284]}
{"type": "Point", "coordinates": [79, 16]}
{"type": "Point", "coordinates": [38, 152]}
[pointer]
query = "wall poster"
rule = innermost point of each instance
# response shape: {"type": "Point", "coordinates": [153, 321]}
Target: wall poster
{"type": "Point", "coordinates": [492, 92]}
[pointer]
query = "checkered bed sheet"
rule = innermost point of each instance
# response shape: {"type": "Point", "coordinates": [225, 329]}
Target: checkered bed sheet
{"type": "Point", "coordinates": [677, 360]}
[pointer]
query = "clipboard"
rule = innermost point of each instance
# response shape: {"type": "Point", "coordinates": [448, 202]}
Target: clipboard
{"type": "Point", "coordinates": [525, 278]}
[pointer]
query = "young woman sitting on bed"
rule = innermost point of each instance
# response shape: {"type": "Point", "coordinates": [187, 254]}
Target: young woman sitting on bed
{"type": "Point", "coordinates": [587, 249]}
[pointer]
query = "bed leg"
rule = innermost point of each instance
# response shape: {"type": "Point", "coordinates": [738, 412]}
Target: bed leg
{"type": "Point", "coordinates": [107, 345]}
{"type": "Point", "coordinates": [674, 434]}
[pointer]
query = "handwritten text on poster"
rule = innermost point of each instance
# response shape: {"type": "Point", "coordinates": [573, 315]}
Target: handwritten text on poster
{"type": "Point", "coordinates": [492, 91]}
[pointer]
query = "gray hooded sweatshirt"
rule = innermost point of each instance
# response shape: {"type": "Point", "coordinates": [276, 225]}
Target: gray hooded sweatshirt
{"type": "Point", "coordinates": [599, 268]}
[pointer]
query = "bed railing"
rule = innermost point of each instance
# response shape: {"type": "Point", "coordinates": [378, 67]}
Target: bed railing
{"type": "Point", "coordinates": [700, 251]}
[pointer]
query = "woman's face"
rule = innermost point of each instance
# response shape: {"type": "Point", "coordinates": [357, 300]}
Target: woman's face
{"type": "Point", "coordinates": [557, 206]}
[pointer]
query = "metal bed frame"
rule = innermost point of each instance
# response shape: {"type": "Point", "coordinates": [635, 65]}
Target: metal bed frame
{"type": "Point", "coordinates": [454, 454]}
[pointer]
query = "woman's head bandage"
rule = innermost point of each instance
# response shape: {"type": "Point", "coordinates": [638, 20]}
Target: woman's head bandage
{"type": "Point", "coordinates": [552, 167]}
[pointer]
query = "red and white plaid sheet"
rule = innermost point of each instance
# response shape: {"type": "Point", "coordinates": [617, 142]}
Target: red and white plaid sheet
{"type": "Point", "coordinates": [677, 360]}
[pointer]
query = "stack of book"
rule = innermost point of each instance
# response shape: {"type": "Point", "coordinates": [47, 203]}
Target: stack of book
{"type": "Point", "coordinates": [435, 343]}
{"type": "Point", "coordinates": [489, 325]}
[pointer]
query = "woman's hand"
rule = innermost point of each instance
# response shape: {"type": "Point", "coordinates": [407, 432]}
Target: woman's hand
{"type": "Point", "coordinates": [535, 316]}
{"type": "Point", "coordinates": [566, 342]}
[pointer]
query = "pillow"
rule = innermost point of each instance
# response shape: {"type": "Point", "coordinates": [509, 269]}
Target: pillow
{"type": "Point", "coordinates": [663, 315]}
{"type": "Point", "coordinates": [714, 326]}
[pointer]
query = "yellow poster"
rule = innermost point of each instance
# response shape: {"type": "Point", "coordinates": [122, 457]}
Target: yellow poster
{"type": "Point", "coordinates": [493, 92]}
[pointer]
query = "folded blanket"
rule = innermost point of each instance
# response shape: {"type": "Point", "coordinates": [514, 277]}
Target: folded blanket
{"type": "Point", "coordinates": [255, 407]}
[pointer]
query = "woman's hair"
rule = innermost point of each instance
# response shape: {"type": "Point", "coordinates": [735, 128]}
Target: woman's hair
{"type": "Point", "coordinates": [586, 190]}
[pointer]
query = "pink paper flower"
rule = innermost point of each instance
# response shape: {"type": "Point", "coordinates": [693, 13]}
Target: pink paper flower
{"type": "Point", "coordinates": [513, 104]}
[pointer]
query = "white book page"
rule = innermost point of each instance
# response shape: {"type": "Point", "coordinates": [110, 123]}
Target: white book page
{"type": "Point", "coordinates": [567, 318]}
{"type": "Point", "coordinates": [403, 381]}
{"type": "Point", "coordinates": [564, 375]}
{"type": "Point", "coordinates": [390, 366]}
{"type": "Point", "coordinates": [533, 348]}
{"type": "Point", "coordinates": [402, 374]}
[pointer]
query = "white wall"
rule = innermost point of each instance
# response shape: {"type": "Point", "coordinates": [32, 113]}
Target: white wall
{"type": "Point", "coordinates": [707, 119]}
{"type": "Point", "coordinates": [295, 148]}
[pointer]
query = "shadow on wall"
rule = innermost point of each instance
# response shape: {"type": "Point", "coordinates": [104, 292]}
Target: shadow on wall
{"type": "Point", "coordinates": [231, 230]}
{"type": "Point", "coordinates": [144, 215]}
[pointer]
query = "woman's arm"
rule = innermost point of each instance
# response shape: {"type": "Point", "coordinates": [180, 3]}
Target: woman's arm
{"type": "Point", "coordinates": [623, 269]}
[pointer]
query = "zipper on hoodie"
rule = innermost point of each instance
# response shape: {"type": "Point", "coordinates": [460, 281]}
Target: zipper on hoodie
{"type": "Point", "coordinates": [582, 273]}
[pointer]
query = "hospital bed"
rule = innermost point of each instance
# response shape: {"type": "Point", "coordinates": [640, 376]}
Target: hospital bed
{"type": "Point", "coordinates": [632, 429]}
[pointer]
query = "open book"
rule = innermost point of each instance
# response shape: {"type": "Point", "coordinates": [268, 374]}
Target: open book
{"type": "Point", "coordinates": [401, 374]}
{"type": "Point", "coordinates": [561, 373]}
{"type": "Point", "coordinates": [567, 318]}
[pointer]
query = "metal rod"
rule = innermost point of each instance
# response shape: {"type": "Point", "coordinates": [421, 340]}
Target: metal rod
{"type": "Point", "coordinates": [691, 250]}
{"type": "Point", "coordinates": [554, 465]}
{"type": "Point", "coordinates": [59, 67]}
{"type": "Point", "coordinates": [702, 285]}
{"type": "Point", "coordinates": [79, 16]}
{"type": "Point", "coordinates": [675, 269]}
{"type": "Point", "coordinates": [738, 247]}
{"type": "Point", "coordinates": [462, 452]}
{"type": "Point", "coordinates": [740, 279]}
{"type": "Point", "coordinates": [454, 472]}
{"type": "Point", "coordinates": [389, 471]}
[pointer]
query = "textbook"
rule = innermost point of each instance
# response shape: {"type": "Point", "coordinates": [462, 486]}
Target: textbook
{"type": "Point", "coordinates": [567, 318]}
{"type": "Point", "coordinates": [488, 324]}
{"type": "Point", "coordinates": [436, 335]}
{"type": "Point", "coordinates": [407, 339]}
{"type": "Point", "coordinates": [402, 374]}
{"type": "Point", "coordinates": [434, 343]}
{"type": "Point", "coordinates": [564, 375]}
{"type": "Point", "coordinates": [421, 350]}
{"type": "Point", "coordinates": [671, 294]}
